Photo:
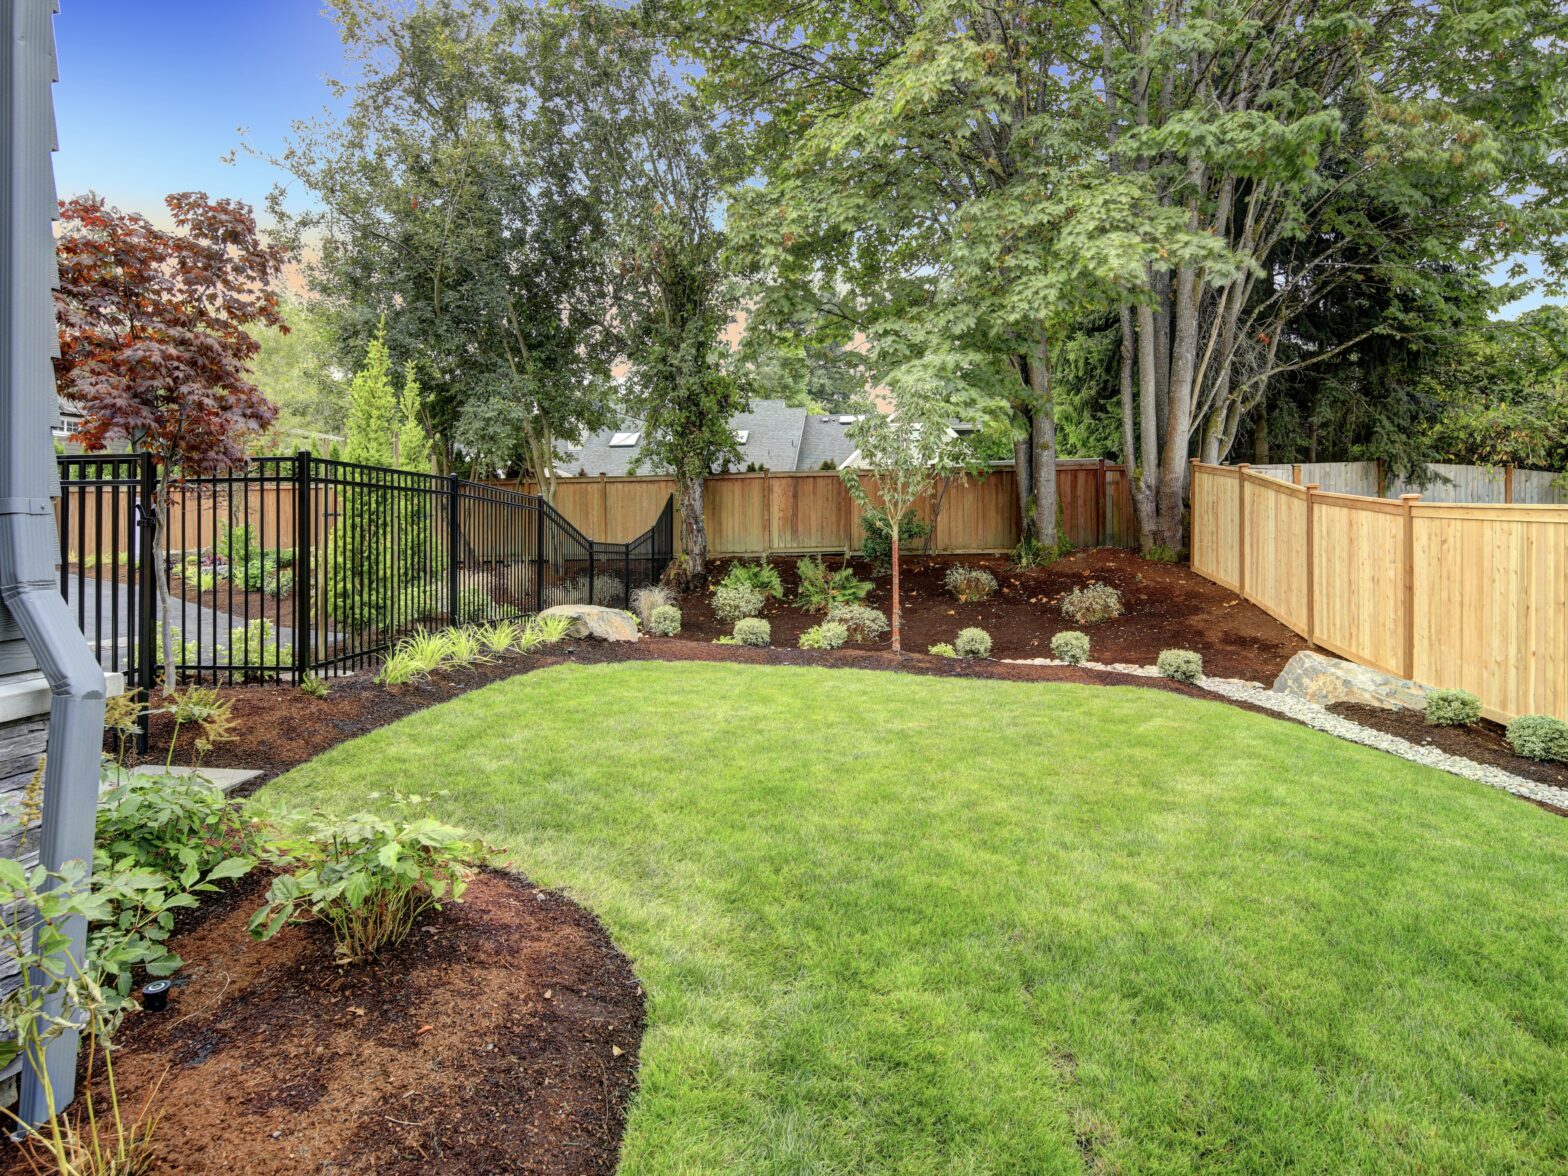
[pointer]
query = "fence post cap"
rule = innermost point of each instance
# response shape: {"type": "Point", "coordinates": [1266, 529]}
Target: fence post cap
{"type": "Point", "coordinates": [1410, 498]}
{"type": "Point", "coordinates": [1311, 486]}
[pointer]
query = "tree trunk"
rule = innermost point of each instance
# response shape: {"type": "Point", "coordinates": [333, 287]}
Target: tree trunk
{"type": "Point", "coordinates": [936, 511]}
{"type": "Point", "coordinates": [694, 529]}
{"type": "Point", "coordinates": [1042, 442]}
{"type": "Point", "coordinates": [1023, 479]}
{"type": "Point", "coordinates": [898, 612]}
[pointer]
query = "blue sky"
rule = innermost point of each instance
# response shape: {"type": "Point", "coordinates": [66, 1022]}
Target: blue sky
{"type": "Point", "coordinates": [152, 95]}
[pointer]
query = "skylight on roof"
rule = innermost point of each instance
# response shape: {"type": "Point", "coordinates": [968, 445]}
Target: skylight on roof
{"type": "Point", "coordinates": [624, 440]}
{"type": "Point", "coordinates": [846, 420]}
{"type": "Point", "coordinates": [742, 435]}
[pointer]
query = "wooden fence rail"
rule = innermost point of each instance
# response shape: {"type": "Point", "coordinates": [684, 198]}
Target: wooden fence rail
{"type": "Point", "coordinates": [1449, 595]}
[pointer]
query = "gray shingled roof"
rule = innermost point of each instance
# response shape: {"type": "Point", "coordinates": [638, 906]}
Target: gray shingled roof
{"type": "Point", "coordinates": [825, 438]}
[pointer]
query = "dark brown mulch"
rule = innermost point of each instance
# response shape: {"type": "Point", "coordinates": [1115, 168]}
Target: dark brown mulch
{"type": "Point", "coordinates": [502, 1036]}
{"type": "Point", "coordinates": [1167, 606]}
{"type": "Point", "coordinates": [1482, 742]}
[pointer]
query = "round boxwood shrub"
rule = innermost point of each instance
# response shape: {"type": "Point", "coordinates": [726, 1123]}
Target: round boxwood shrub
{"type": "Point", "coordinates": [753, 631]}
{"type": "Point", "coordinates": [972, 642]}
{"type": "Point", "coordinates": [735, 602]}
{"type": "Point", "coordinates": [1092, 604]}
{"type": "Point", "coordinates": [664, 621]}
{"type": "Point", "coordinates": [1539, 737]}
{"type": "Point", "coordinates": [1452, 708]}
{"type": "Point", "coordinates": [970, 584]}
{"type": "Point", "coordinates": [862, 622]}
{"type": "Point", "coordinates": [1180, 664]}
{"type": "Point", "coordinates": [827, 635]}
{"type": "Point", "coordinates": [1071, 647]}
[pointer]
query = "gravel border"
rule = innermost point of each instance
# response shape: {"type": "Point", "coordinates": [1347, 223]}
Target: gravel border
{"type": "Point", "coordinates": [1317, 717]}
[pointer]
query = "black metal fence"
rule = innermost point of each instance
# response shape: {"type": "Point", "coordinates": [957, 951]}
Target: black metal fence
{"type": "Point", "coordinates": [299, 565]}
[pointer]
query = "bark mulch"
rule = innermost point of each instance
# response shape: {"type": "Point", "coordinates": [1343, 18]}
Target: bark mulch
{"type": "Point", "coordinates": [1482, 741]}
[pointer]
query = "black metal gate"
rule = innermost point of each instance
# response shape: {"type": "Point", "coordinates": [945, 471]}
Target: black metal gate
{"type": "Point", "coordinates": [298, 565]}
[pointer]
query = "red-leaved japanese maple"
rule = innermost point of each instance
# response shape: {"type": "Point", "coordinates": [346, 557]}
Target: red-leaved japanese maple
{"type": "Point", "coordinates": [153, 341]}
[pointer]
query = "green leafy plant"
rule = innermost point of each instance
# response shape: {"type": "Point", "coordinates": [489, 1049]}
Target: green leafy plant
{"type": "Point", "coordinates": [1451, 708]}
{"type": "Point", "coordinates": [463, 647]}
{"type": "Point", "coordinates": [314, 687]}
{"type": "Point", "coordinates": [827, 635]}
{"type": "Point", "coordinates": [1160, 553]}
{"type": "Point", "coordinates": [414, 658]}
{"type": "Point", "coordinates": [550, 630]}
{"type": "Point", "coordinates": [368, 877]}
{"type": "Point", "coordinates": [1032, 553]}
{"type": "Point", "coordinates": [942, 649]}
{"type": "Point", "coordinates": [666, 621]}
{"type": "Point", "coordinates": [1071, 647]}
{"type": "Point", "coordinates": [205, 709]}
{"type": "Point", "coordinates": [761, 576]}
{"type": "Point", "coordinates": [972, 642]}
{"type": "Point", "coordinates": [1092, 604]}
{"type": "Point", "coordinates": [256, 644]}
{"type": "Point", "coordinates": [877, 541]}
{"type": "Point", "coordinates": [1181, 665]}
{"type": "Point", "coordinates": [820, 589]}
{"type": "Point", "coordinates": [753, 631]}
{"type": "Point", "coordinates": [647, 600]}
{"type": "Point", "coordinates": [862, 622]}
{"type": "Point", "coordinates": [1539, 737]}
{"type": "Point", "coordinates": [969, 584]}
{"type": "Point", "coordinates": [497, 637]}
{"type": "Point", "coordinates": [182, 826]}
{"type": "Point", "coordinates": [734, 602]}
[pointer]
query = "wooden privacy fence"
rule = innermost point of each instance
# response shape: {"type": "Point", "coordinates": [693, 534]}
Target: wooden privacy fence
{"type": "Point", "coordinates": [1449, 595]}
{"type": "Point", "coordinates": [812, 511]}
{"type": "Point", "coordinates": [1445, 483]}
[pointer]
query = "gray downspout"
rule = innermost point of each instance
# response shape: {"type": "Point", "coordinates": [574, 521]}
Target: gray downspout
{"type": "Point", "coordinates": [29, 543]}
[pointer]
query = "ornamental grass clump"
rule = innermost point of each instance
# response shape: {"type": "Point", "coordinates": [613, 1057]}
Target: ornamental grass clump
{"type": "Point", "coordinates": [972, 642]}
{"type": "Point", "coordinates": [1180, 665]}
{"type": "Point", "coordinates": [969, 585]}
{"type": "Point", "coordinates": [647, 600]}
{"type": "Point", "coordinates": [862, 622]}
{"type": "Point", "coordinates": [1071, 647]}
{"type": "Point", "coordinates": [1539, 737]}
{"type": "Point", "coordinates": [735, 602]}
{"type": "Point", "coordinates": [827, 635]}
{"type": "Point", "coordinates": [753, 631]}
{"type": "Point", "coordinates": [665, 621]}
{"type": "Point", "coordinates": [1451, 708]}
{"type": "Point", "coordinates": [1092, 604]}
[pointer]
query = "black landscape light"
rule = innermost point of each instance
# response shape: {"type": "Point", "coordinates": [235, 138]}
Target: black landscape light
{"type": "Point", "coordinates": [155, 996]}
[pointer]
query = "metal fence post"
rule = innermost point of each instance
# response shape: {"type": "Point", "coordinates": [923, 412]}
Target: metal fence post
{"type": "Point", "coordinates": [303, 638]}
{"type": "Point", "coordinates": [147, 606]}
{"type": "Point", "coordinates": [453, 534]}
{"type": "Point", "coordinates": [539, 556]}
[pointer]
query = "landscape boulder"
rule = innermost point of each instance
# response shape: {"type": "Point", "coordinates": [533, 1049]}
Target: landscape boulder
{"type": "Point", "coordinates": [1325, 680]}
{"type": "Point", "coordinates": [592, 620]}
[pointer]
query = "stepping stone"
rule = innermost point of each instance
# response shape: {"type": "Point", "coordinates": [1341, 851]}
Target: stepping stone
{"type": "Point", "coordinates": [227, 779]}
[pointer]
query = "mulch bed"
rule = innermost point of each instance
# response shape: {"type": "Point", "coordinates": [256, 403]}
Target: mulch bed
{"type": "Point", "coordinates": [1482, 742]}
{"type": "Point", "coordinates": [1166, 606]}
{"type": "Point", "coordinates": [502, 1036]}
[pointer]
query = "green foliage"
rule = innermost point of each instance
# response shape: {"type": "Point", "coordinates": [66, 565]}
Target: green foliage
{"type": "Point", "coordinates": [1032, 553]}
{"type": "Point", "coordinates": [761, 576]}
{"type": "Point", "coordinates": [313, 687]}
{"type": "Point", "coordinates": [827, 635]}
{"type": "Point", "coordinates": [1452, 708]}
{"type": "Point", "coordinates": [753, 631]}
{"type": "Point", "coordinates": [877, 545]}
{"type": "Point", "coordinates": [1159, 553]}
{"type": "Point", "coordinates": [1071, 647]}
{"type": "Point", "coordinates": [666, 621]}
{"type": "Point", "coordinates": [861, 622]}
{"type": "Point", "coordinates": [256, 644]}
{"type": "Point", "coordinates": [732, 602]}
{"type": "Point", "coordinates": [1182, 665]}
{"type": "Point", "coordinates": [496, 638]}
{"type": "Point", "coordinates": [646, 600]}
{"type": "Point", "coordinates": [368, 877]}
{"type": "Point", "coordinates": [942, 649]}
{"type": "Point", "coordinates": [968, 584]}
{"type": "Point", "coordinates": [820, 589]}
{"type": "Point", "coordinates": [1539, 737]}
{"type": "Point", "coordinates": [1092, 604]}
{"type": "Point", "coordinates": [972, 642]}
{"type": "Point", "coordinates": [176, 825]}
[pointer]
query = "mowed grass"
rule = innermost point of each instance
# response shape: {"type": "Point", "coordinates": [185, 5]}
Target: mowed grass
{"type": "Point", "coordinates": [889, 923]}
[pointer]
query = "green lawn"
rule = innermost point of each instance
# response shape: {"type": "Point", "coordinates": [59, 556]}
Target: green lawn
{"type": "Point", "coordinates": [889, 923]}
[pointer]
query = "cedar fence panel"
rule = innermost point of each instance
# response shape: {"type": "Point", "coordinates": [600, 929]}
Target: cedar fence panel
{"type": "Point", "coordinates": [1463, 596]}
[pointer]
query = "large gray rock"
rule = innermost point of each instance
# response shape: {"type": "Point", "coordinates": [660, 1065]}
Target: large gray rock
{"type": "Point", "coordinates": [592, 620]}
{"type": "Point", "coordinates": [1325, 680]}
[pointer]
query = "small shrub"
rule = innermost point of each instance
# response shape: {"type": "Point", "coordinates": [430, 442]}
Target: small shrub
{"type": "Point", "coordinates": [820, 589]}
{"type": "Point", "coordinates": [1031, 553]}
{"type": "Point", "coordinates": [1452, 708]}
{"type": "Point", "coordinates": [761, 576]}
{"type": "Point", "coordinates": [1539, 737]}
{"type": "Point", "coordinates": [1071, 647]}
{"type": "Point", "coordinates": [862, 622]}
{"type": "Point", "coordinates": [735, 602]}
{"type": "Point", "coordinates": [179, 826]}
{"type": "Point", "coordinates": [645, 601]}
{"type": "Point", "coordinates": [666, 621]}
{"type": "Point", "coordinates": [726, 640]}
{"type": "Point", "coordinates": [970, 584]}
{"type": "Point", "coordinates": [753, 631]}
{"type": "Point", "coordinates": [827, 635]}
{"type": "Point", "coordinates": [972, 642]}
{"type": "Point", "coordinates": [1092, 604]}
{"type": "Point", "coordinates": [1181, 665]}
{"type": "Point", "coordinates": [367, 877]}
{"type": "Point", "coordinates": [257, 645]}
{"type": "Point", "coordinates": [877, 546]}
{"type": "Point", "coordinates": [313, 687]}
{"type": "Point", "coordinates": [942, 649]}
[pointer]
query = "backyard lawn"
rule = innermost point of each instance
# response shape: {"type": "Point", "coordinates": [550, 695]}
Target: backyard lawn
{"type": "Point", "coordinates": [896, 923]}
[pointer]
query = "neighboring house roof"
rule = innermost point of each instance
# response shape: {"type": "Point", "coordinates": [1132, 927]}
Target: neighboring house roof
{"type": "Point", "coordinates": [775, 437]}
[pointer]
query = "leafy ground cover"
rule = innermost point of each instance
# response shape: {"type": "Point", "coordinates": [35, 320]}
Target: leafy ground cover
{"type": "Point", "coordinates": [907, 924]}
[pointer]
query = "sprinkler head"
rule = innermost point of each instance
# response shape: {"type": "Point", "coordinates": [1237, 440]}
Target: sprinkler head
{"type": "Point", "coordinates": [155, 996]}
